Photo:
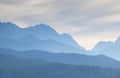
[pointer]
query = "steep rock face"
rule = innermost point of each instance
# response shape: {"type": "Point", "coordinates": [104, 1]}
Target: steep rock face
{"type": "Point", "coordinates": [38, 37]}
{"type": "Point", "coordinates": [111, 49]}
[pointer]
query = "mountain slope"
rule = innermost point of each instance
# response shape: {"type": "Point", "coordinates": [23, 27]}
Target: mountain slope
{"type": "Point", "coordinates": [111, 49]}
{"type": "Point", "coordinates": [102, 45]}
{"type": "Point", "coordinates": [36, 44]}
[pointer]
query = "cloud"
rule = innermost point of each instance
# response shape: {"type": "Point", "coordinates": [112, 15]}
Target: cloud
{"type": "Point", "coordinates": [83, 18]}
{"type": "Point", "coordinates": [11, 2]}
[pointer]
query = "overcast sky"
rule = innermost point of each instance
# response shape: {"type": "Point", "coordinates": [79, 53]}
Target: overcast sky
{"type": "Point", "coordinates": [88, 21]}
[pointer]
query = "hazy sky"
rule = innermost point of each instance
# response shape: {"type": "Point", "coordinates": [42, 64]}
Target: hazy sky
{"type": "Point", "coordinates": [88, 21]}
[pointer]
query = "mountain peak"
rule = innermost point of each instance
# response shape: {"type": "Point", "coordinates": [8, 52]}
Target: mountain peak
{"type": "Point", "coordinates": [104, 42]}
{"type": "Point", "coordinates": [8, 25]}
{"type": "Point", "coordinates": [101, 45]}
{"type": "Point", "coordinates": [66, 35]}
{"type": "Point", "coordinates": [42, 26]}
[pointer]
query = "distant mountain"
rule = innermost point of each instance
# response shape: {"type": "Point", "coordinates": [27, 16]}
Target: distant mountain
{"type": "Point", "coordinates": [102, 45]}
{"type": "Point", "coordinates": [111, 49]}
{"type": "Point", "coordinates": [39, 37]}
{"type": "Point", "coordinates": [45, 32]}
{"type": "Point", "coordinates": [65, 58]}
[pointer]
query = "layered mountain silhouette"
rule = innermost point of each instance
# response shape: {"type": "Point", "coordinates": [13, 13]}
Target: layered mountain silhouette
{"type": "Point", "coordinates": [39, 37]}
{"type": "Point", "coordinates": [40, 52]}
{"type": "Point", "coordinates": [43, 37]}
{"type": "Point", "coordinates": [16, 67]}
{"type": "Point", "coordinates": [108, 48]}
{"type": "Point", "coordinates": [63, 58]}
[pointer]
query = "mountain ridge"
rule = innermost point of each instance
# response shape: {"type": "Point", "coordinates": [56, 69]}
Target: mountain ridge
{"type": "Point", "coordinates": [38, 33]}
{"type": "Point", "coordinates": [65, 58]}
{"type": "Point", "coordinates": [109, 48]}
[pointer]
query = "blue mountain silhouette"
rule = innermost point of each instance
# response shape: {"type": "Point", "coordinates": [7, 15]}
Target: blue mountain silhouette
{"type": "Point", "coordinates": [110, 48]}
{"type": "Point", "coordinates": [38, 37]}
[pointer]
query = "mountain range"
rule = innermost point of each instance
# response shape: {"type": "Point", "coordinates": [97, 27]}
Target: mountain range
{"type": "Point", "coordinates": [43, 37]}
{"type": "Point", "coordinates": [41, 52]}
{"type": "Point", "coordinates": [64, 58]}
{"type": "Point", "coordinates": [39, 37]}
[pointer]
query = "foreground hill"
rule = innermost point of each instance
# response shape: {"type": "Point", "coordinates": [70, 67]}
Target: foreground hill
{"type": "Point", "coordinates": [14, 67]}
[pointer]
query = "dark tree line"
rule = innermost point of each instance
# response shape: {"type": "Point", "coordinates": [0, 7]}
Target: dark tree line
{"type": "Point", "coordinates": [58, 71]}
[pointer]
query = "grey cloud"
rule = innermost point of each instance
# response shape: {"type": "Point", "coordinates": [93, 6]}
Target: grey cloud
{"type": "Point", "coordinates": [9, 2]}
